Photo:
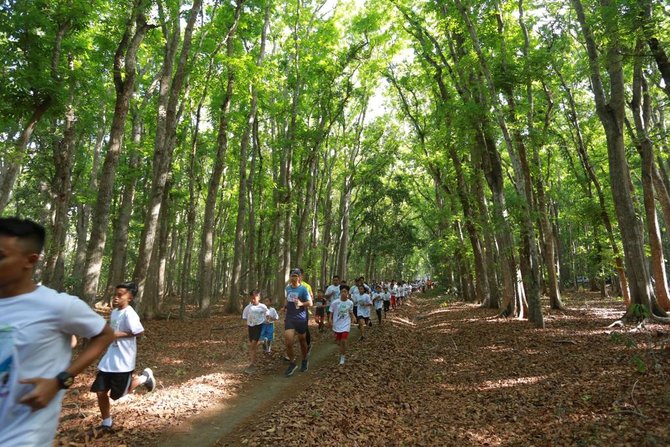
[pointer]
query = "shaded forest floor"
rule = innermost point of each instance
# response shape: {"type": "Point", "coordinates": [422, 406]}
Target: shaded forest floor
{"type": "Point", "coordinates": [434, 373]}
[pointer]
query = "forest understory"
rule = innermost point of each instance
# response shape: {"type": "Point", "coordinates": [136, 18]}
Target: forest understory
{"type": "Point", "coordinates": [436, 372]}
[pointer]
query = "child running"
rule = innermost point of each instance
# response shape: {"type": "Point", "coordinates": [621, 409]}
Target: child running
{"type": "Point", "coordinates": [386, 296]}
{"type": "Point", "coordinates": [378, 301]}
{"type": "Point", "coordinates": [268, 329]}
{"type": "Point", "coordinates": [254, 313]}
{"type": "Point", "coordinates": [363, 310]}
{"type": "Point", "coordinates": [115, 371]}
{"type": "Point", "coordinates": [340, 317]}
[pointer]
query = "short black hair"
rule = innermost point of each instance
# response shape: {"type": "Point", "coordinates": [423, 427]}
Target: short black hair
{"type": "Point", "coordinates": [26, 230]}
{"type": "Point", "coordinates": [344, 287]}
{"type": "Point", "coordinates": [129, 286]}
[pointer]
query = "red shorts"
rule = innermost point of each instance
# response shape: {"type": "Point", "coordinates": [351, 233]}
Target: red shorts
{"type": "Point", "coordinates": [393, 300]}
{"type": "Point", "coordinates": [341, 336]}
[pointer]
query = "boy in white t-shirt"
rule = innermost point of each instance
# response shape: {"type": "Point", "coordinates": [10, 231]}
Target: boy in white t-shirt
{"type": "Point", "coordinates": [363, 308]}
{"type": "Point", "coordinates": [340, 317]}
{"type": "Point", "coordinates": [254, 314]}
{"type": "Point", "coordinates": [115, 376]}
{"type": "Point", "coordinates": [36, 328]}
{"type": "Point", "coordinates": [378, 301]}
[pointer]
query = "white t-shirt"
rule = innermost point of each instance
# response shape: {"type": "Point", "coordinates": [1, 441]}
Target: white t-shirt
{"type": "Point", "coordinates": [36, 331]}
{"type": "Point", "coordinates": [121, 354]}
{"type": "Point", "coordinates": [361, 309]}
{"type": "Point", "coordinates": [386, 296]}
{"type": "Point", "coordinates": [255, 314]}
{"type": "Point", "coordinates": [332, 293]}
{"type": "Point", "coordinates": [271, 316]}
{"type": "Point", "coordinates": [378, 299]}
{"type": "Point", "coordinates": [341, 311]}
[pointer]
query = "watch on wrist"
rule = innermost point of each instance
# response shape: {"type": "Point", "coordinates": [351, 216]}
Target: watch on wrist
{"type": "Point", "coordinates": [65, 380]}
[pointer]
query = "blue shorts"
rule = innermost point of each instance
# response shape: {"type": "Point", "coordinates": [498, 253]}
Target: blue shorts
{"type": "Point", "coordinates": [299, 326]}
{"type": "Point", "coordinates": [268, 331]}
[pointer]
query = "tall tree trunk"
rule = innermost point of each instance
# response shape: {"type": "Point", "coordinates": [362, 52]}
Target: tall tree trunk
{"type": "Point", "coordinates": [124, 69]}
{"type": "Point", "coordinates": [641, 111]}
{"type": "Point", "coordinates": [170, 101]}
{"type": "Point", "coordinates": [611, 112]}
{"type": "Point", "coordinates": [206, 261]}
{"type": "Point", "coordinates": [234, 304]}
{"type": "Point", "coordinates": [117, 267]}
{"type": "Point", "coordinates": [84, 210]}
{"type": "Point", "coordinates": [590, 172]}
{"type": "Point", "coordinates": [63, 156]}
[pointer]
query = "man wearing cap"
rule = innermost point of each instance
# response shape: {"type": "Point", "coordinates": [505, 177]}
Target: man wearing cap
{"type": "Point", "coordinates": [298, 300]}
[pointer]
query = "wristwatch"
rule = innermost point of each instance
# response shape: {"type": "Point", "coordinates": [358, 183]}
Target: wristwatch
{"type": "Point", "coordinates": [65, 380]}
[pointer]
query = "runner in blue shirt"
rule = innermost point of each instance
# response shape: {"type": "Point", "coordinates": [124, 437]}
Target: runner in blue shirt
{"type": "Point", "coordinates": [298, 300]}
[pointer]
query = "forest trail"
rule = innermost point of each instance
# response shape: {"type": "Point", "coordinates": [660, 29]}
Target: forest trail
{"type": "Point", "coordinates": [435, 373]}
{"type": "Point", "coordinates": [259, 397]}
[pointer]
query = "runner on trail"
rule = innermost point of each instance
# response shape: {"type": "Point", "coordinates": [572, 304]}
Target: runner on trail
{"type": "Point", "coordinates": [321, 304]}
{"type": "Point", "coordinates": [393, 289]}
{"type": "Point", "coordinates": [354, 292]}
{"type": "Point", "coordinates": [363, 310]}
{"type": "Point", "coordinates": [268, 329]}
{"type": "Point", "coordinates": [386, 296]}
{"type": "Point", "coordinates": [332, 293]}
{"type": "Point", "coordinates": [340, 318]}
{"type": "Point", "coordinates": [298, 301]}
{"type": "Point", "coordinates": [255, 314]}
{"type": "Point", "coordinates": [36, 328]}
{"type": "Point", "coordinates": [378, 301]}
{"type": "Point", "coordinates": [115, 376]}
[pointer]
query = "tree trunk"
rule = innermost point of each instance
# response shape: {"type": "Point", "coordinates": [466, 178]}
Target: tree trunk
{"type": "Point", "coordinates": [63, 155]}
{"type": "Point", "coordinates": [588, 168]}
{"type": "Point", "coordinates": [124, 82]}
{"type": "Point", "coordinates": [170, 99]}
{"type": "Point", "coordinates": [641, 111]}
{"type": "Point", "coordinates": [84, 210]}
{"type": "Point", "coordinates": [234, 305]}
{"type": "Point", "coordinates": [611, 113]}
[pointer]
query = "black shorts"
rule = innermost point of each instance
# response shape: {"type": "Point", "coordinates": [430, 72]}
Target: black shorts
{"type": "Point", "coordinates": [367, 319]}
{"type": "Point", "coordinates": [117, 383]}
{"type": "Point", "coordinates": [299, 326]}
{"type": "Point", "coordinates": [255, 332]}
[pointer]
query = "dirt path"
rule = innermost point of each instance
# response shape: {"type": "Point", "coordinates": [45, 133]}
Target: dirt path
{"type": "Point", "coordinates": [261, 394]}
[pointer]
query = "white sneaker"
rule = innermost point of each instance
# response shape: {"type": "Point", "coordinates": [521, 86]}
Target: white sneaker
{"type": "Point", "coordinates": [341, 360]}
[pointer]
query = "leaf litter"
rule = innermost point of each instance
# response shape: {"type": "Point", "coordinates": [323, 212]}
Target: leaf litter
{"type": "Point", "coordinates": [434, 373]}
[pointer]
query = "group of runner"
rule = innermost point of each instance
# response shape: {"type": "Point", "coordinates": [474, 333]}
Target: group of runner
{"type": "Point", "coordinates": [338, 307]}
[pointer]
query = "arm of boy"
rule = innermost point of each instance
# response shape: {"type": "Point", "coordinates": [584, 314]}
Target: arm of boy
{"type": "Point", "coordinates": [47, 388]}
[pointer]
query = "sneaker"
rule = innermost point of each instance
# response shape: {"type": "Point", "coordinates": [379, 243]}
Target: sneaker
{"type": "Point", "coordinates": [341, 360]}
{"type": "Point", "coordinates": [250, 369]}
{"type": "Point", "coordinates": [150, 384]}
{"type": "Point", "coordinates": [265, 345]}
{"type": "Point", "coordinates": [99, 431]}
{"type": "Point", "coordinates": [304, 365]}
{"type": "Point", "coordinates": [291, 369]}
{"type": "Point", "coordinates": [286, 359]}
